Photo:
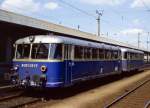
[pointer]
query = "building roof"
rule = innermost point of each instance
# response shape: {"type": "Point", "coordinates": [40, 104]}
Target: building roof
{"type": "Point", "coordinates": [44, 25]}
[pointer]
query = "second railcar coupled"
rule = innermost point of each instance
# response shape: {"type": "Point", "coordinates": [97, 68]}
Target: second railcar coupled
{"type": "Point", "coordinates": [132, 60]}
{"type": "Point", "coordinates": [57, 61]}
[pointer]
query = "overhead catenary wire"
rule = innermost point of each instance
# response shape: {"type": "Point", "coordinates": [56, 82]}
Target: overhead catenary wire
{"type": "Point", "coordinates": [88, 14]}
{"type": "Point", "coordinates": [115, 26]}
{"type": "Point", "coordinates": [78, 9]}
{"type": "Point", "coordinates": [145, 5]}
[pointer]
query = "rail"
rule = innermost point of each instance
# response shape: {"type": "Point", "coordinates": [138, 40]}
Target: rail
{"type": "Point", "coordinates": [147, 104]}
{"type": "Point", "coordinates": [26, 103]}
{"type": "Point", "coordinates": [11, 96]}
{"type": "Point", "coordinates": [126, 94]}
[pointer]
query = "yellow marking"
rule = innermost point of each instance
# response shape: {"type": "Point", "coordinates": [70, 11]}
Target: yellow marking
{"type": "Point", "coordinates": [37, 60]}
{"type": "Point", "coordinates": [78, 60]}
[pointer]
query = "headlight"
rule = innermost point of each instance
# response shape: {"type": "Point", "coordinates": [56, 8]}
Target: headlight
{"type": "Point", "coordinates": [43, 68]}
{"type": "Point", "coordinates": [15, 68]}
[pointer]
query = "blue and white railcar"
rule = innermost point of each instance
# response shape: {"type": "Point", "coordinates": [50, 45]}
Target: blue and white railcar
{"type": "Point", "coordinates": [132, 59]}
{"type": "Point", "coordinates": [55, 61]}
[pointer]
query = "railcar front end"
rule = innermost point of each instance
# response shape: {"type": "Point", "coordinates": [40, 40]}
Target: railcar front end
{"type": "Point", "coordinates": [38, 64]}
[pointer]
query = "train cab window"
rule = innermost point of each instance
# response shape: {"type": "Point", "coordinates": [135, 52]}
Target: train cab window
{"type": "Point", "coordinates": [55, 51]}
{"type": "Point", "coordinates": [78, 52]}
{"type": "Point", "coordinates": [40, 51]}
{"type": "Point", "coordinates": [23, 51]}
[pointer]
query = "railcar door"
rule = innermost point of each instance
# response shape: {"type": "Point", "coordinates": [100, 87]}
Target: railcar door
{"type": "Point", "coordinates": [68, 64]}
{"type": "Point", "coordinates": [129, 62]}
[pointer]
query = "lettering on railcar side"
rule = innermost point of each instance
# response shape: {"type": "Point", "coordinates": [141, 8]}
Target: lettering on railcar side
{"type": "Point", "coordinates": [29, 65]}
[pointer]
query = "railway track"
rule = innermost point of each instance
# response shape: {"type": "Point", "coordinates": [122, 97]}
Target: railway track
{"type": "Point", "coordinates": [120, 98]}
{"type": "Point", "coordinates": [11, 97]}
{"type": "Point", "coordinates": [6, 87]}
{"type": "Point", "coordinates": [17, 101]}
{"type": "Point", "coordinates": [147, 105]}
{"type": "Point", "coordinates": [5, 98]}
{"type": "Point", "coordinates": [21, 99]}
{"type": "Point", "coordinates": [9, 92]}
{"type": "Point", "coordinates": [25, 102]}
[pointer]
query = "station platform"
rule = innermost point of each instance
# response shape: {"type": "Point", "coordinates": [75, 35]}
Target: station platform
{"type": "Point", "coordinates": [103, 95]}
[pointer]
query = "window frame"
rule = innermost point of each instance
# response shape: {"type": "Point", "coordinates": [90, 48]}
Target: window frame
{"type": "Point", "coordinates": [62, 52]}
{"type": "Point", "coordinates": [48, 52]}
{"type": "Point", "coordinates": [23, 54]}
{"type": "Point", "coordinates": [80, 52]}
{"type": "Point", "coordinates": [95, 54]}
{"type": "Point", "coordinates": [103, 53]}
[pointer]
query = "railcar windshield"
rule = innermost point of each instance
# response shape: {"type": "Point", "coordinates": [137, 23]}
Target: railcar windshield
{"type": "Point", "coordinates": [40, 51]}
{"type": "Point", "coordinates": [23, 51]}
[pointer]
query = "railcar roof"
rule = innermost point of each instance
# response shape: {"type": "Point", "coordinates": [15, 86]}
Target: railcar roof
{"type": "Point", "coordinates": [61, 39]}
{"type": "Point", "coordinates": [131, 50]}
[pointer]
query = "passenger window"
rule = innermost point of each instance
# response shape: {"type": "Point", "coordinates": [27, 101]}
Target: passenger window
{"type": "Point", "coordinates": [101, 53]}
{"type": "Point", "coordinates": [65, 51]}
{"type": "Point", "coordinates": [58, 51]}
{"type": "Point", "coordinates": [107, 54]}
{"type": "Point", "coordinates": [115, 55]}
{"type": "Point", "coordinates": [112, 55]}
{"type": "Point", "coordinates": [125, 55]}
{"type": "Point", "coordinates": [130, 56]}
{"type": "Point", "coordinates": [94, 53]}
{"type": "Point", "coordinates": [78, 52]}
{"type": "Point", "coordinates": [87, 53]}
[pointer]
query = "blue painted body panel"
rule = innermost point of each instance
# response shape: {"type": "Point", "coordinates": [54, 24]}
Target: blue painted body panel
{"type": "Point", "coordinates": [83, 69]}
{"type": "Point", "coordinates": [55, 71]}
{"type": "Point", "coordinates": [129, 65]}
{"type": "Point", "coordinates": [68, 72]}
